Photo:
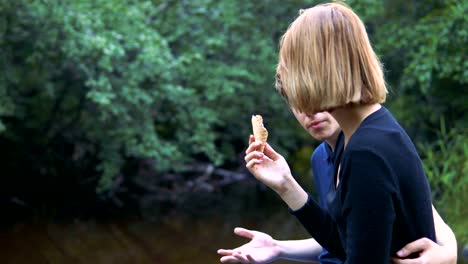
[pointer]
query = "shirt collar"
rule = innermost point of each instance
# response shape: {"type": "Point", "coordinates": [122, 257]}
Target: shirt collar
{"type": "Point", "coordinates": [330, 153]}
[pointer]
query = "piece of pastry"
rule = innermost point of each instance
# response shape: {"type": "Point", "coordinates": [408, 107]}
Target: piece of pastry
{"type": "Point", "coordinates": [259, 131]}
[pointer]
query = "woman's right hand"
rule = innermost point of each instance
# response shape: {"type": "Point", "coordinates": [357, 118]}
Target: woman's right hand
{"type": "Point", "coordinates": [268, 167]}
{"type": "Point", "coordinates": [273, 170]}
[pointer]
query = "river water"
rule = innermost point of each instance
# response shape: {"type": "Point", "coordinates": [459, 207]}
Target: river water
{"type": "Point", "coordinates": [189, 233]}
{"type": "Point", "coordinates": [192, 232]}
{"type": "Point", "coordinates": [173, 241]}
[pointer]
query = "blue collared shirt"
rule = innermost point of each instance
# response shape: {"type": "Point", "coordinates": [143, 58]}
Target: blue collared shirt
{"type": "Point", "coordinates": [322, 162]}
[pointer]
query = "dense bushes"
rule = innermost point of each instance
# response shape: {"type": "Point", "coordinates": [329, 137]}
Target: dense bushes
{"type": "Point", "coordinates": [446, 165]}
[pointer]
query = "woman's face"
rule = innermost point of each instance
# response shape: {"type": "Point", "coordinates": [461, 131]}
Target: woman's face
{"type": "Point", "coordinates": [322, 126]}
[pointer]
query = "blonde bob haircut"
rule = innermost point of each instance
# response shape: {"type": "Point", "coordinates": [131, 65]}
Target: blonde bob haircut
{"type": "Point", "coordinates": [326, 61]}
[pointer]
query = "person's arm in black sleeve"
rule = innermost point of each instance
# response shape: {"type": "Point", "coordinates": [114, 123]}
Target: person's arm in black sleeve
{"type": "Point", "coordinates": [367, 208]}
{"type": "Point", "coordinates": [320, 226]}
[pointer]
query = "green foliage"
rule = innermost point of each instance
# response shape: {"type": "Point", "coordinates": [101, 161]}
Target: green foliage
{"type": "Point", "coordinates": [425, 56]}
{"type": "Point", "coordinates": [95, 70]}
{"type": "Point", "coordinates": [169, 81]}
{"type": "Point", "coordinates": [446, 166]}
{"type": "Point", "coordinates": [300, 162]}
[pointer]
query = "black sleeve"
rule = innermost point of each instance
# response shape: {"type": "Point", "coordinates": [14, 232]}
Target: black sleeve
{"type": "Point", "coordinates": [368, 210]}
{"type": "Point", "coordinates": [320, 226]}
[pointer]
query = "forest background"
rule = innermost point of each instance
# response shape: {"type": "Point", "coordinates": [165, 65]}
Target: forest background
{"type": "Point", "coordinates": [111, 108]}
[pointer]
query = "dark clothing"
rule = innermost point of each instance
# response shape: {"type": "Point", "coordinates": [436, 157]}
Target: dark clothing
{"type": "Point", "coordinates": [322, 162]}
{"type": "Point", "coordinates": [383, 199]}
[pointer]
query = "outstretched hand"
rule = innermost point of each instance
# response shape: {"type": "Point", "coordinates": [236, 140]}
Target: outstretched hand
{"type": "Point", "coordinates": [429, 252]}
{"type": "Point", "coordinates": [268, 167]}
{"type": "Point", "coordinates": [261, 249]}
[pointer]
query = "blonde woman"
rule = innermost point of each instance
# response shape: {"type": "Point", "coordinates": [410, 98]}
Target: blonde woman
{"type": "Point", "coordinates": [380, 199]}
{"type": "Point", "coordinates": [263, 248]}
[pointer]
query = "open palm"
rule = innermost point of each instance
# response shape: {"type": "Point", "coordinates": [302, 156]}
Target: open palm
{"type": "Point", "coordinates": [261, 249]}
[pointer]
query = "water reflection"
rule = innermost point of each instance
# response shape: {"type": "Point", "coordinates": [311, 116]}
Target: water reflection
{"type": "Point", "coordinates": [189, 232]}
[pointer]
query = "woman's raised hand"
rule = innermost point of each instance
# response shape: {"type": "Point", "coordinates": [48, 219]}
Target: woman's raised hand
{"type": "Point", "coordinates": [268, 167]}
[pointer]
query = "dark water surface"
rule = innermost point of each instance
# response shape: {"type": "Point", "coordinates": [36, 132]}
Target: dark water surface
{"type": "Point", "coordinates": [190, 233]}
{"type": "Point", "coordinates": [171, 241]}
